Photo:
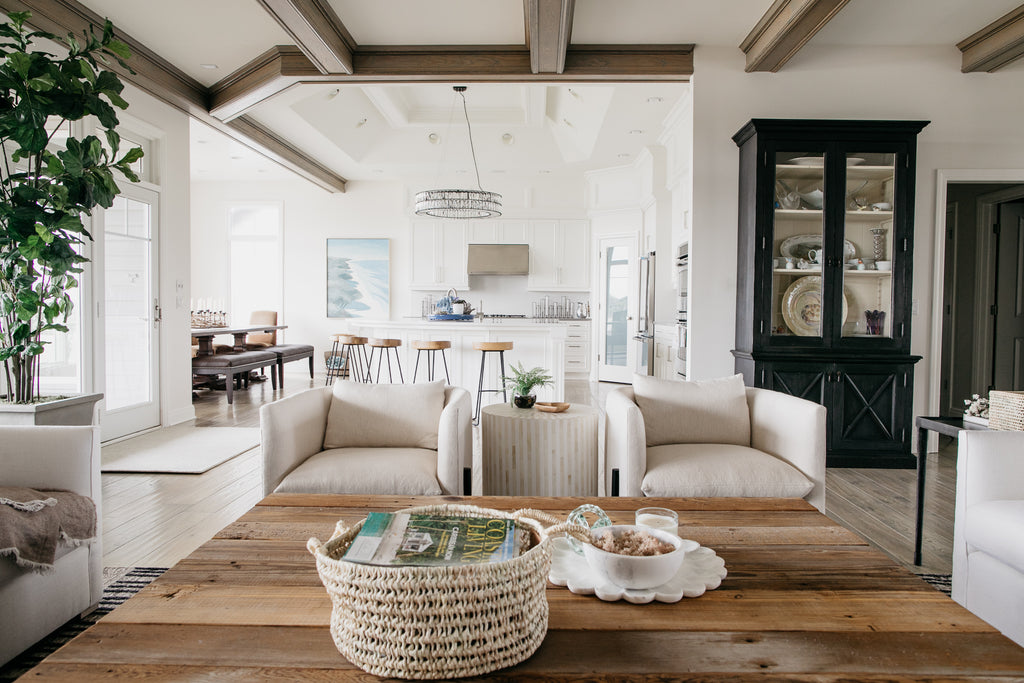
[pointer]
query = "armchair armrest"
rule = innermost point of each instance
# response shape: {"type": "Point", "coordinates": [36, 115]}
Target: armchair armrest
{"type": "Point", "coordinates": [989, 466]}
{"type": "Point", "coordinates": [625, 442]}
{"type": "Point", "coordinates": [291, 431]}
{"type": "Point", "coordinates": [454, 440]}
{"type": "Point", "coordinates": [791, 429]}
{"type": "Point", "coordinates": [52, 458]}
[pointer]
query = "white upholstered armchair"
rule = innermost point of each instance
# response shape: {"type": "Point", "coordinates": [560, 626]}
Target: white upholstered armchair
{"type": "Point", "coordinates": [988, 529]}
{"type": "Point", "coordinates": [408, 439]}
{"type": "Point", "coordinates": [715, 438]}
{"type": "Point", "coordinates": [34, 604]}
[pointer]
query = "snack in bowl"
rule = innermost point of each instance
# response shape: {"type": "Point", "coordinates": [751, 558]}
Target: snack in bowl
{"type": "Point", "coordinates": [637, 572]}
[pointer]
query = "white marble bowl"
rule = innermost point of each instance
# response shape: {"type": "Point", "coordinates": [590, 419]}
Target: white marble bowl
{"type": "Point", "coordinates": [637, 572]}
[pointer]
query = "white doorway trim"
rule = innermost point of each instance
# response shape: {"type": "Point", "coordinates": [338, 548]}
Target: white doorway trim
{"type": "Point", "coordinates": [943, 178]}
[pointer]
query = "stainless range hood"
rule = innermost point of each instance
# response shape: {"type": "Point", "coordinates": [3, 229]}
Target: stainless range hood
{"type": "Point", "coordinates": [498, 259]}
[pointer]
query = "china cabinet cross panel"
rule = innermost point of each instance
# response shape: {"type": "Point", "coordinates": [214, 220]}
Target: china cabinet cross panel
{"type": "Point", "coordinates": [826, 214]}
{"type": "Point", "coordinates": [869, 420]}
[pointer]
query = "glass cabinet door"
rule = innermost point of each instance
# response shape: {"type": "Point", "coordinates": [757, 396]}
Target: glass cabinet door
{"type": "Point", "coordinates": [797, 304]}
{"type": "Point", "coordinates": [868, 245]}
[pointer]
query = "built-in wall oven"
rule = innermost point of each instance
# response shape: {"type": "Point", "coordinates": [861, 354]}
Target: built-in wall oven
{"type": "Point", "coordinates": [682, 307]}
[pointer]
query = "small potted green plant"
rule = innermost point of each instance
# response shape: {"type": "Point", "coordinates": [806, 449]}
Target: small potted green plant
{"type": "Point", "coordinates": [522, 383]}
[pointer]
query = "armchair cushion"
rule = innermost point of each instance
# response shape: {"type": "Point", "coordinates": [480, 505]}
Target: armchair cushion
{"type": "Point", "coordinates": [409, 471]}
{"type": "Point", "coordinates": [995, 528]}
{"type": "Point", "coordinates": [710, 412]}
{"type": "Point", "coordinates": [384, 415]}
{"type": "Point", "coordinates": [720, 470]}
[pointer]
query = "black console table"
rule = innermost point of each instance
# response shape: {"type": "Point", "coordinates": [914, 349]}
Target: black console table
{"type": "Point", "coordinates": [950, 426]}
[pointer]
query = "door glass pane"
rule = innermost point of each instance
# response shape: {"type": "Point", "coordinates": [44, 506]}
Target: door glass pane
{"type": "Point", "coordinates": [797, 254]}
{"type": "Point", "coordinates": [616, 331]}
{"type": "Point", "coordinates": [129, 304]}
{"type": "Point", "coordinates": [868, 252]}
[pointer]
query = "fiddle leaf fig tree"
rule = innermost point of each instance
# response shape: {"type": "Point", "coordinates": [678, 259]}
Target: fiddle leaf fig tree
{"type": "Point", "coordinates": [46, 190]}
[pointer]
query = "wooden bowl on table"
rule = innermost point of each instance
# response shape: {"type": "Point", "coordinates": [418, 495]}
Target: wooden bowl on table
{"type": "Point", "coordinates": [549, 407]}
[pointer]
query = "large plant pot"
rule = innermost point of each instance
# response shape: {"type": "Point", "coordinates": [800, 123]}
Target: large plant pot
{"type": "Point", "coordinates": [75, 410]}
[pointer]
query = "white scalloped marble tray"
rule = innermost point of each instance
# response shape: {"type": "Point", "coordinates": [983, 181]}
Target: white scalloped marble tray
{"type": "Point", "coordinates": [702, 570]}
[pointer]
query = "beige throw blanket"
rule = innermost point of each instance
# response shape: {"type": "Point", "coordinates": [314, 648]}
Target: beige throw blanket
{"type": "Point", "coordinates": [33, 522]}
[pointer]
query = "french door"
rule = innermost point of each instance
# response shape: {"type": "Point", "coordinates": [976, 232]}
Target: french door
{"type": "Point", "coordinates": [617, 309]}
{"type": "Point", "coordinates": [131, 317]}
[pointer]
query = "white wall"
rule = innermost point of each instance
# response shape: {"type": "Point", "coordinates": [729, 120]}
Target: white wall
{"type": "Point", "coordinates": [976, 123]}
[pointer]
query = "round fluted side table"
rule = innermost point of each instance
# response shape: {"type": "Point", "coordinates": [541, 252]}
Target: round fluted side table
{"type": "Point", "coordinates": [530, 453]}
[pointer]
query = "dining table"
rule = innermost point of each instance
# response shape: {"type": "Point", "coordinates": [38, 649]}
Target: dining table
{"type": "Point", "coordinates": [804, 598]}
{"type": "Point", "coordinates": [205, 335]}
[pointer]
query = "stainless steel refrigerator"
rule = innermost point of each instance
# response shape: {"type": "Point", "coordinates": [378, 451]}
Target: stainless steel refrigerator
{"type": "Point", "coordinates": [644, 363]}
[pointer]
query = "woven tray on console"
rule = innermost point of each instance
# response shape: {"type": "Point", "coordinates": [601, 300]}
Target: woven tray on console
{"type": "Point", "coordinates": [438, 622]}
{"type": "Point", "coordinates": [1006, 410]}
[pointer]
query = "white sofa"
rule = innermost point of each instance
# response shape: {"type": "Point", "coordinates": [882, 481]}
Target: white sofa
{"type": "Point", "coordinates": [385, 452]}
{"type": "Point", "coordinates": [33, 604]}
{"type": "Point", "coordinates": [776, 450]}
{"type": "Point", "coordinates": [988, 529]}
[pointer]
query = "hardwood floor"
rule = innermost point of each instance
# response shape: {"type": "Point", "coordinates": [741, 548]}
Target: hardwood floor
{"type": "Point", "coordinates": [157, 519]}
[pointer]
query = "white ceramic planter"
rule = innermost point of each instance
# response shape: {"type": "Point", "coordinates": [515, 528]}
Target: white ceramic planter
{"type": "Point", "coordinates": [75, 410]}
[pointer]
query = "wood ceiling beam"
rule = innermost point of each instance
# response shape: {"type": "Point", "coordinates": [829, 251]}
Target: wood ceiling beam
{"type": "Point", "coordinates": [284, 66]}
{"type": "Point", "coordinates": [169, 84]}
{"type": "Point", "coordinates": [996, 45]}
{"type": "Point", "coordinates": [317, 31]}
{"type": "Point", "coordinates": [784, 29]}
{"type": "Point", "coordinates": [548, 31]}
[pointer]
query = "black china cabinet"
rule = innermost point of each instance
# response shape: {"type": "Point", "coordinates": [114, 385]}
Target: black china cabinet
{"type": "Point", "coordinates": [826, 243]}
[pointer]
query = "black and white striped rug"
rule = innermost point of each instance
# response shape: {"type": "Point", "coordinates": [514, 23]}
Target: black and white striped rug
{"type": "Point", "coordinates": [124, 585]}
{"type": "Point", "coordinates": [941, 582]}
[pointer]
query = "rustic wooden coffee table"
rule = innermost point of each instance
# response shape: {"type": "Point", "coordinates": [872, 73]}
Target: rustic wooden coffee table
{"type": "Point", "coordinates": [805, 599]}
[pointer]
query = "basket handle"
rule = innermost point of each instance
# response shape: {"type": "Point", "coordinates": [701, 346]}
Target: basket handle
{"type": "Point", "coordinates": [568, 529]}
{"type": "Point", "coordinates": [537, 516]}
{"type": "Point", "coordinates": [314, 545]}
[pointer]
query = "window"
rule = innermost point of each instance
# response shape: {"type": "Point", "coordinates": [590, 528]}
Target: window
{"type": "Point", "coordinates": [255, 260]}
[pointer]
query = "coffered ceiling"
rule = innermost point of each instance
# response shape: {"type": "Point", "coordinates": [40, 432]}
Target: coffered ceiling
{"type": "Point", "coordinates": [350, 89]}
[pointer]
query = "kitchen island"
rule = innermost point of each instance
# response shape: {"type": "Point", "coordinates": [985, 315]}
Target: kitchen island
{"type": "Point", "coordinates": [538, 343]}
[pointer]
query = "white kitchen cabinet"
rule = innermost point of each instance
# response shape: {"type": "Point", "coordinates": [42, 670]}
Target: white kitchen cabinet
{"type": "Point", "coordinates": [577, 347]}
{"type": "Point", "coordinates": [498, 232]}
{"type": "Point", "coordinates": [439, 255]}
{"type": "Point", "coordinates": [559, 255]}
{"type": "Point", "coordinates": [665, 352]}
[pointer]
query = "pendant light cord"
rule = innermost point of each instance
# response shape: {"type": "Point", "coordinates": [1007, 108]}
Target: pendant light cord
{"type": "Point", "coordinates": [472, 149]}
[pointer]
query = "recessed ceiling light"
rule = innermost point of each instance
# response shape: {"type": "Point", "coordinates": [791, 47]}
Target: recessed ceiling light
{"type": "Point", "coordinates": [201, 142]}
{"type": "Point", "coordinates": [654, 100]}
{"type": "Point", "coordinates": [508, 139]}
{"type": "Point", "coordinates": [378, 170]}
{"type": "Point", "coordinates": [261, 170]}
{"type": "Point", "coordinates": [567, 122]}
{"type": "Point", "coordinates": [361, 122]}
{"type": "Point", "coordinates": [545, 171]}
{"type": "Point", "coordinates": [208, 66]}
{"type": "Point", "coordinates": [623, 155]}
{"type": "Point", "coordinates": [237, 156]}
{"type": "Point", "coordinates": [434, 138]}
{"type": "Point", "coordinates": [461, 171]}
{"type": "Point", "coordinates": [636, 131]}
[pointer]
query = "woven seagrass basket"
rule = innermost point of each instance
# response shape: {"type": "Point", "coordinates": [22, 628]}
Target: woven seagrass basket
{"type": "Point", "coordinates": [439, 622]}
{"type": "Point", "coordinates": [1006, 410]}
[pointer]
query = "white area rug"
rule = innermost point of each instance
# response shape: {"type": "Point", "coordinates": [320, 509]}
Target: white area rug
{"type": "Point", "coordinates": [181, 449]}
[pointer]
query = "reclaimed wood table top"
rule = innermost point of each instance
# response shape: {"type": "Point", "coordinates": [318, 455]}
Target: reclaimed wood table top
{"type": "Point", "coordinates": [805, 599]}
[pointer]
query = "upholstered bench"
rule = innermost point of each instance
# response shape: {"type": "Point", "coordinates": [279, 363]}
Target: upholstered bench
{"type": "Point", "coordinates": [231, 364]}
{"type": "Point", "coordinates": [286, 353]}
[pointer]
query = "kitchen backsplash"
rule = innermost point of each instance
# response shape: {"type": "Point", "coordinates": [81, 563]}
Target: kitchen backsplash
{"type": "Point", "coordinates": [506, 295]}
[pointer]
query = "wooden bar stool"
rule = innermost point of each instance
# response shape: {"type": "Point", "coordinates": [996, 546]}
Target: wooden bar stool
{"type": "Point", "coordinates": [352, 352]}
{"type": "Point", "coordinates": [385, 346]}
{"type": "Point", "coordinates": [431, 347]}
{"type": "Point", "coordinates": [485, 348]}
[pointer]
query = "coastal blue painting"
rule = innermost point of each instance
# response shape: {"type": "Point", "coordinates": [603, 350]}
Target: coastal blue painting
{"type": "Point", "coordinates": [357, 278]}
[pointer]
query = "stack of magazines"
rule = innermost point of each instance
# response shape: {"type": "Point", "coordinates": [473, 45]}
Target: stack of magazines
{"type": "Point", "coordinates": [404, 539]}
